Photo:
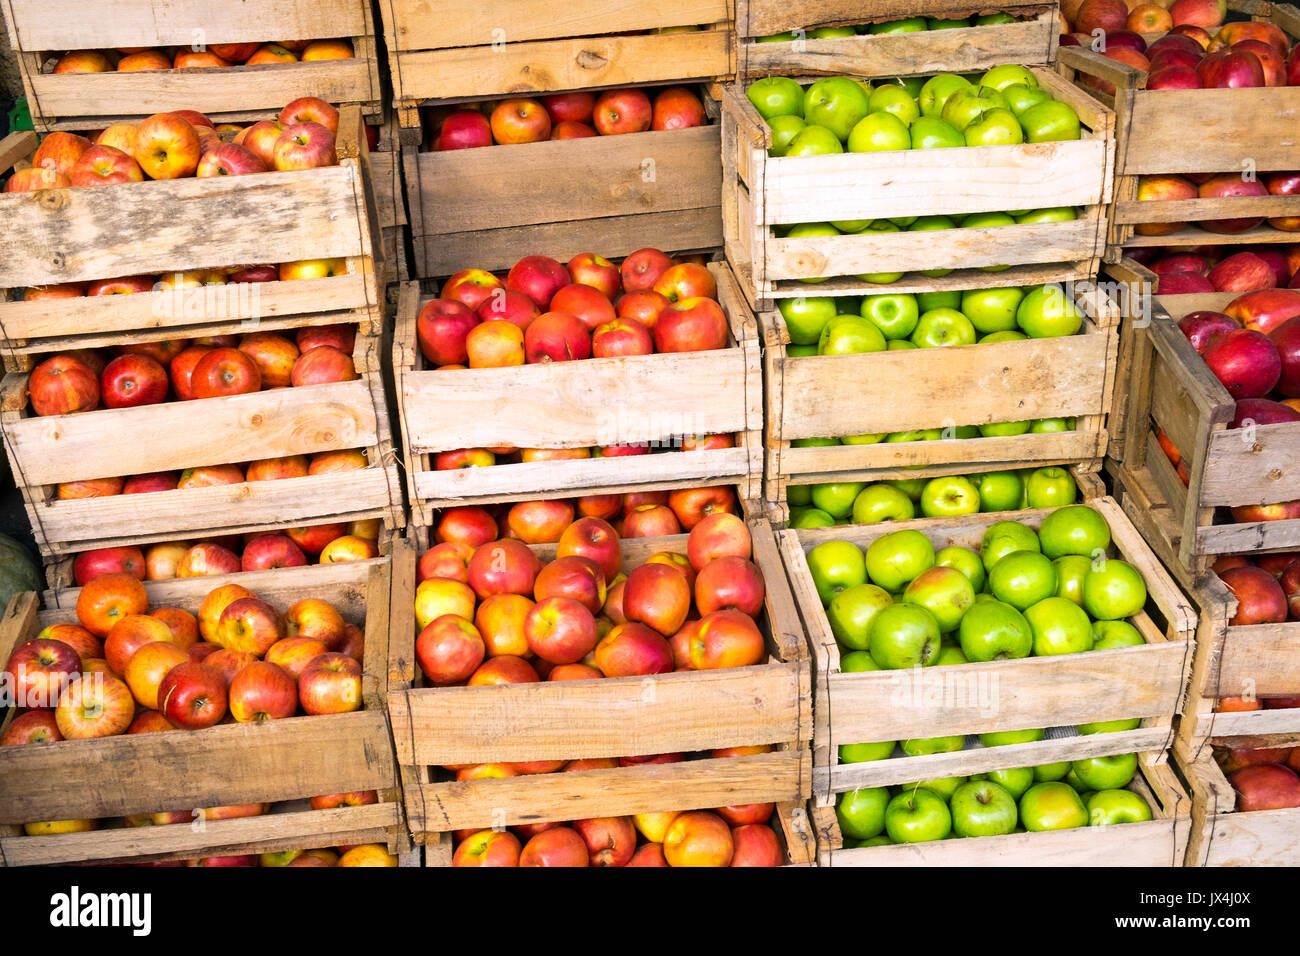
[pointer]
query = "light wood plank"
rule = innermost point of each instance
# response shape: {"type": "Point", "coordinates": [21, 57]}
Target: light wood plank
{"type": "Point", "coordinates": [1195, 131]}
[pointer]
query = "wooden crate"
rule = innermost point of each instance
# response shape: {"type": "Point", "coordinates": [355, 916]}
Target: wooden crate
{"type": "Point", "coordinates": [41, 30]}
{"type": "Point", "coordinates": [452, 52]}
{"type": "Point", "coordinates": [46, 450]}
{"type": "Point", "coordinates": [700, 710]}
{"type": "Point", "coordinates": [761, 192]}
{"type": "Point", "coordinates": [283, 760]}
{"type": "Point", "coordinates": [390, 200]}
{"type": "Point", "coordinates": [583, 403]}
{"type": "Point", "coordinates": [1058, 691]}
{"type": "Point", "coordinates": [1159, 842]}
{"type": "Point", "coordinates": [1031, 39]}
{"type": "Point", "coordinates": [1197, 131]}
{"type": "Point", "coordinates": [608, 194]}
{"type": "Point", "coordinates": [830, 396]}
{"type": "Point", "coordinates": [1170, 387]}
{"type": "Point", "coordinates": [1224, 836]}
{"type": "Point", "coordinates": [1259, 660]}
{"type": "Point", "coordinates": [80, 235]}
{"type": "Point", "coordinates": [792, 828]}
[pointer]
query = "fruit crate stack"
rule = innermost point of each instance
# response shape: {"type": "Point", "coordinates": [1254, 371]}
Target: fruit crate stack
{"type": "Point", "coordinates": [230, 60]}
{"type": "Point", "coordinates": [892, 37]}
{"type": "Point", "coordinates": [230, 790]}
{"type": "Point", "coordinates": [328, 284]}
{"type": "Point", "coordinates": [454, 419]}
{"type": "Point", "coordinates": [1177, 129]}
{"type": "Point", "coordinates": [1099, 719]}
{"type": "Point", "coordinates": [485, 758]}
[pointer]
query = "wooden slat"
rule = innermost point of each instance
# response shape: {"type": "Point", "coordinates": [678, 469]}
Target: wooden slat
{"type": "Point", "coordinates": [1258, 465]}
{"type": "Point", "coordinates": [1177, 210]}
{"type": "Point", "coordinates": [50, 25]}
{"type": "Point", "coordinates": [1255, 536]}
{"type": "Point", "coordinates": [564, 64]}
{"type": "Point", "coordinates": [686, 785]}
{"type": "Point", "coordinates": [72, 235]}
{"type": "Point", "coordinates": [930, 459]}
{"type": "Point", "coordinates": [1196, 131]}
{"type": "Point", "coordinates": [764, 17]}
{"type": "Point", "coordinates": [237, 428]}
{"type": "Point", "coordinates": [427, 24]}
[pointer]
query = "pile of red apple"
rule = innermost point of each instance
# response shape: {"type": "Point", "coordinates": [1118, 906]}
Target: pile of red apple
{"type": "Point", "coordinates": [123, 668]}
{"type": "Point", "coordinates": [1205, 269]}
{"type": "Point", "coordinates": [1265, 779]}
{"type": "Point", "coordinates": [495, 614]}
{"type": "Point", "coordinates": [1168, 187]}
{"type": "Point", "coordinates": [564, 116]}
{"type": "Point", "coordinates": [1198, 51]}
{"type": "Point", "coordinates": [216, 55]}
{"type": "Point", "coordinates": [230, 554]}
{"type": "Point", "coordinates": [1266, 586]}
{"type": "Point", "coordinates": [184, 143]}
{"type": "Point", "coordinates": [726, 836]}
{"type": "Point", "coordinates": [1253, 349]}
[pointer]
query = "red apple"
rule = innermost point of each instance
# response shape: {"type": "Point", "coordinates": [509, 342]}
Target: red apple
{"type": "Point", "coordinates": [611, 841]}
{"type": "Point", "coordinates": [450, 649]}
{"type": "Point", "coordinates": [1242, 272]}
{"type": "Point", "coordinates": [1266, 787]}
{"type": "Point", "coordinates": [323, 365]}
{"type": "Point", "coordinates": [63, 385]}
{"type": "Point", "coordinates": [595, 539]}
{"type": "Point", "coordinates": [642, 269]}
{"type": "Point", "coordinates": [1245, 361]}
{"type": "Point", "coordinates": [560, 630]}
{"type": "Point", "coordinates": [441, 329]}
{"type": "Point", "coordinates": [89, 565]}
{"type": "Point", "coordinates": [539, 278]}
{"type": "Point", "coordinates": [1227, 185]}
{"type": "Point", "coordinates": [503, 567]}
{"type": "Point", "coordinates": [192, 696]}
{"type": "Point", "coordinates": [38, 672]}
{"type": "Point", "coordinates": [1183, 283]}
{"type": "Point", "coordinates": [556, 337]}
{"type": "Point", "coordinates": [622, 111]}
{"type": "Point", "coordinates": [691, 325]}
{"type": "Point", "coordinates": [1260, 598]}
{"type": "Point", "coordinates": [509, 306]}
{"type": "Point", "coordinates": [330, 684]}
{"type": "Point", "coordinates": [464, 129]}
{"type": "Point", "coordinates": [726, 638]}
{"type": "Point", "coordinates": [1265, 311]}
{"type": "Point", "coordinates": [755, 845]}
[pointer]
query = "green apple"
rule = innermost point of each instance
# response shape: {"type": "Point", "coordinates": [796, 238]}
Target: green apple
{"type": "Point", "coordinates": [1070, 572]}
{"type": "Point", "coordinates": [917, 816]}
{"type": "Point", "coordinates": [1007, 738]}
{"type": "Point", "coordinates": [1022, 579]}
{"type": "Point", "coordinates": [813, 443]}
{"type": "Point", "coordinates": [895, 314]}
{"type": "Point", "coordinates": [1107, 773]}
{"type": "Point", "coordinates": [992, 310]}
{"type": "Point", "coordinates": [1005, 429]}
{"type": "Point", "coordinates": [1051, 487]}
{"type": "Point", "coordinates": [865, 753]}
{"type": "Point", "coordinates": [1003, 537]}
{"type": "Point", "coordinates": [1060, 627]}
{"type": "Point", "coordinates": [1015, 780]}
{"type": "Point", "coordinates": [875, 439]}
{"type": "Point", "coordinates": [831, 33]}
{"type": "Point", "coordinates": [857, 662]}
{"type": "Point", "coordinates": [861, 813]}
{"type": "Point", "coordinates": [1075, 529]}
{"type": "Point", "coordinates": [1048, 313]}
{"type": "Point", "coordinates": [851, 226]}
{"type": "Point", "coordinates": [784, 130]}
{"type": "Point", "coordinates": [931, 132]}
{"type": "Point", "coordinates": [925, 746]}
{"type": "Point", "coordinates": [1109, 635]}
{"type": "Point", "coordinates": [889, 98]}
{"type": "Point", "coordinates": [879, 132]}
{"type": "Point", "coordinates": [900, 345]}
{"type": "Point", "coordinates": [928, 434]}
{"type": "Point", "coordinates": [786, 37]}
{"type": "Point", "coordinates": [1010, 336]}
{"type": "Point", "coordinates": [936, 91]}
{"type": "Point", "coordinates": [943, 787]}
{"type": "Point", "coordinates": [944, 592]}
{"type": "Point", "coordinates": [949, 496]}
{"type": "Point", "coordinates": [800, 351]}
{"type": "Point", "coordinates": [1047, 772]}
{"type": "Point", "coordinates": [1055, 214]}
{"type": "Point", "coordinates": [909, 25]}
{"type": "Point", "coordinates": [851, 612]}
{"type": "Point", "coordinates": [1109, 807]}
{"type": "Point", "coordinates": [881, 840]}
{"type": "Point", "coordinates": [995, 127]}
{"type": "Point", "coordinates": [936, 24]}
{"type": "Point", "coordinates": [943, 328]}
{"type": "Point", "coordinates": [994, 19]}
{"type": "Point", "coordinates": [880, 227]}
{"type": "Point", "coordinates": [836, 497]}
{"type": "Point", "coordinates": [1050, 122]}
{"type": "Point", "coordinates": [964, 560]}
{"type": "Point", "coordinates": [966, 106]}
{"type": "Point", "coordinates": [961, 433]}
{"type": "Point", "coordinates": [811, 518]}
{"type": "Point", "coordinates": [799, 495]}
{"type": "Point", "coordinates": [775, 96]}
{"type": "Point", "coordinates": [982, 808]}
{"type": "Point", "coordinates": [994, 631]}
{"type": "Point", "coordinates": [1007, 74]}
{"type": "Point", "coordinates": [850, 335]}
{"type": "Point", "coordinates": [806, 315]}
{"type": "Point", "coordinates": [912, 487]}
{"type": "Point", "coordinates": [1052, 426]}
{"type": "Point", "coordinates": [926, 301]}
{"type": "Point", "coordinates": [1000, 491]}
{"type": "Point", "coordinates": [1021, 97]}
{"type": "Point", "coordinates": [836, 566]}
{"type": "Point", "coordinates": [880, 502]}
{"type": "Point", "coordinates": [814, 140]}
{"type": "Point", "coordinates": [1111, 726]}
{"type": "Point", "coordinates": [903, 636]}
{"type": "Point", "coordinates": [837, 103]}
{"type": "Point", "coordinates": [949, 655]}
{"type": "Point", "coordinates": [1113, 590]}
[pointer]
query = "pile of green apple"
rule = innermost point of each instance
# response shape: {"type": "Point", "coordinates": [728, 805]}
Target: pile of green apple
{"type": "Point", "coordinates": [910, 25]}
{"type": "Point", "coordinates": [851, 325]}
{"type": "Point", "coordinates": [1058, 796]}
{"type": "Point", "coordinates": [948, 496]}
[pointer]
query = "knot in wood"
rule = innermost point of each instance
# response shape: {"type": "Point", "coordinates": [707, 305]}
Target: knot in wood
{"type": "Point", "coordinates": [590, 60]}
{"type": "Point", "coordinates": [1275, 474]}
{"type": "Point", "coordinates": [255, 420]}
{"type": "Point", "coordinates": [1256, 448]}
{"type": "Point", "coordinates": [52, 199]}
